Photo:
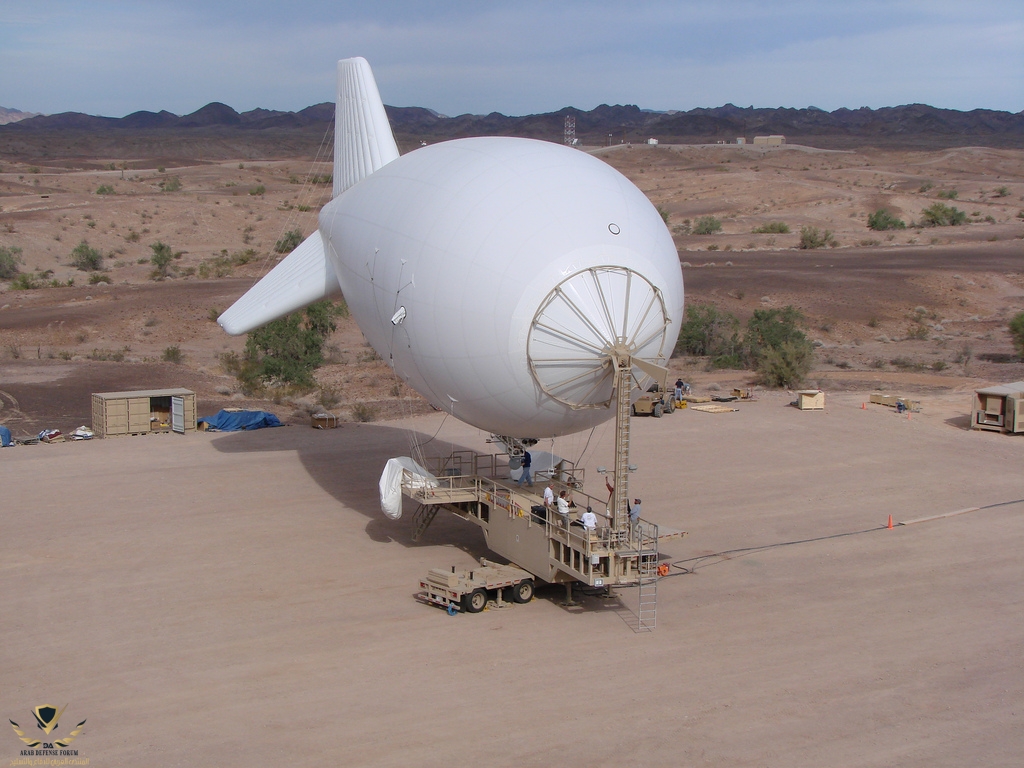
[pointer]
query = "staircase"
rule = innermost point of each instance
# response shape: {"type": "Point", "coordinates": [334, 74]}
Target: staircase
{"type": "Point", "coordinates": [422, 518]}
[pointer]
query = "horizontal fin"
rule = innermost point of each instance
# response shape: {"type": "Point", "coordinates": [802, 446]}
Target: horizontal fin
{"type": "Point", "coordinates": [304, 276]}
{"type": "Point", "coordinates": [363, 142]}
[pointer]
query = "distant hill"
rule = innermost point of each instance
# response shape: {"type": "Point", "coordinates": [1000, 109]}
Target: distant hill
{"type": "Point", "coordinates": [14, 115]}
{"type": "Point", "coordinates": [217, 131]}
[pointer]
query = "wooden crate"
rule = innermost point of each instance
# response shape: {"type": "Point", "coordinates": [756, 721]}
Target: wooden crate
{"type": "Point", "coordinates": [140, 412]}
{"type": "Point", "coordinates": [810, 400]}
{"type": "Point", "coordinates": [893, 400]}
{"type": "Point", "coordinates": [324, 421]}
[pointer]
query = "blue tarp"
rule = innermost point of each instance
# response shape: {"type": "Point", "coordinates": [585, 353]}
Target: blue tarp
{"type": "Point", "coordinates": [5, 437]}
{"type": "Point", "coordinates": [232, 421]}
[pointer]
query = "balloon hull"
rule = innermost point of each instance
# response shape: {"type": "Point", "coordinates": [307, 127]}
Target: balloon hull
{"type": "Point", "coordinates": [494, 274]}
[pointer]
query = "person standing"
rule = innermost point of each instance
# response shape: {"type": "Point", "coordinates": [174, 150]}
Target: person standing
{"type": "Point", "coordinates": [549, 497]}
{"type": "Point", "coordinates": [589, 520]}
{"type": "Point", "coordinates": [525, 476]}
{"type": "Point", "coordinates": [563, 509]}
{"type": "Point", "coordinates": [634, 512]}
{"type": "Point", "coordinates": [679, 389]}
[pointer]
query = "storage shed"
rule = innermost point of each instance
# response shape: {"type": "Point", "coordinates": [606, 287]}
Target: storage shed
{"type": "Point", "coordinates": [999, 409]}
{"type": "Point", "coordinates": [143, 411]}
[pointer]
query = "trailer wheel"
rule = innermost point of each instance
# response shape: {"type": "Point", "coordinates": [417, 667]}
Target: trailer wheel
{"type": "Point", "coordinates": [523, 591]}
{"type": "Point", "coordinates": [475, 601]}
{"type": "Point", "coordinates": [670, 406]}
{"type": "Point", "coordinates": [657, 411]}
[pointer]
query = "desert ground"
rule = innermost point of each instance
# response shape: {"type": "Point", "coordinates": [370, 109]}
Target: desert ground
{"type": "Point", "coordinates": [237, 599]}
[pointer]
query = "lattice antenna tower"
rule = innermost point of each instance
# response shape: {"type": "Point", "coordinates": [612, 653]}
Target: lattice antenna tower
{"type": "Point", "coordinates": [570, 130]}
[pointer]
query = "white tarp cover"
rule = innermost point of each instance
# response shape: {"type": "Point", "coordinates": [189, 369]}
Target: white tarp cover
{"type": "Point", "coordinates": [399, 472]}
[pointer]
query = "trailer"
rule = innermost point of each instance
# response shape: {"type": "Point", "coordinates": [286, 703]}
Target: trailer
{"type": "Point", "coordinates": [471, 590]}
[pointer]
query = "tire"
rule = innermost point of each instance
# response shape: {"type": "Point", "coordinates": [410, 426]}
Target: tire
{"type": "Point", "coordinates": [670, 406]}
{"type": "Point", "coordinates": [475, 601]}
{"type": "Point", "coordinates": [656, 413]}
{"type": "Point", "coordinates": [523, 591]}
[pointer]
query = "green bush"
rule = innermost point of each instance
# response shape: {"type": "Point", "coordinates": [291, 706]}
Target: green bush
{"type": "Point", "coordinates": [772, 228]}
{"type": "Point", "coordinates": [947, 194]}
{"type": "Point", "coordinates": [881, 220]}
{"type": "Point", "coordinates": [170, 184]}
{"type": "Point", "coordinates": [23, 281]}
{"type": "Point", "coordinates": [1003, 192]}
{"type": "Point", "coordinates": [289, 242]}
{"type": "Point", "coordinates": [663, 212]}
{"type": "Point", "coordinates": [707, 331]}
{"type": "Point", "coordinates": [1017, 333]}
{"type": "Point", "coordinates": [98, 277]}
{"type": "Point", "coordinates": [811, 238]}
{"type": "Point", "coordinates": [10, 259]}
{"type": "Point", "coordinates": [105, 189]}
{"type": "Point", "coordinates": [286, 351]}
{"type": "Point", "coordinates": [86, 258]}
{"type": "Point", "coordinates": [257, 190]}
{"type": "Point", "coordinates": [941, 215]}
{"type": "Point", "coordinates": [776, 348]}
{"type": "Point", "coordinates": [172, 355]}
{"type": "Point", "coordinates": [161, 259]}
{"type": "Point", "coordinates": [707, 225]}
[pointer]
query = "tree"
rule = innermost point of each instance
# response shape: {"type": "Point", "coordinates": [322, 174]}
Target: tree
{"type": "Point", "coordinates": [1017, 333]}
{"type": "Point", "coordinates": [86, 258]}
{"type": "Point", "coordinates": [287, 351]}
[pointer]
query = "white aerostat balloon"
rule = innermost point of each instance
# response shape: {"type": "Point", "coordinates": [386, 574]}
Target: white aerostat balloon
{"type": "Point", "coordinates": [495, 275]}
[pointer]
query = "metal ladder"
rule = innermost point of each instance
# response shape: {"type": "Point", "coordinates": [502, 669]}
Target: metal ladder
{"type": "Point", "coordinates": [422, 518]}
{"type": "Point", "coordinates": [647, 567]}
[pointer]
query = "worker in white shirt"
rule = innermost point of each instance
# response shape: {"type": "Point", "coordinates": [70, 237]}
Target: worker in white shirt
{"type": "Point", "coordinates": [589, 520]}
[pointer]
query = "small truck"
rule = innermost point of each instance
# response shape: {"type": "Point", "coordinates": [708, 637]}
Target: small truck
{"type": "Point", "coordinates": [653, 403]}
{"type": "Point", "coordinates": [470, 590]}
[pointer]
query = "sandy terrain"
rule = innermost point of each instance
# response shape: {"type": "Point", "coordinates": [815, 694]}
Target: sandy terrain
{"type": "Point", "coordinates": [238, 599]}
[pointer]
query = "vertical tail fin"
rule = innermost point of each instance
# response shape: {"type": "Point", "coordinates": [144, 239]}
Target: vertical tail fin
{"type": "Point", "coordinates": [363, 141]}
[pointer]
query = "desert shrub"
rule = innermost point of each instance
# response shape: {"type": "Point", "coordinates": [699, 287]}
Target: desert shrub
{"type": "Point", "coordinates": [772, 228]}
{"type": "Point", "coordinates": [104, 189]}
{"type": "Point", "coordinates": [881, 220]}
{"type": "Point", "coordinates": [785, 365]}
{"type": "Point", "coordinates": [942, 215]}
{"type": "Point", "coordinates": [329, 397]}
{"type": "Point", "coordinates": [170, 184]}
{"type": "Point", "coordinates": [161, 259]}
{"type": "Point", "coordinates": [98, 277]}
{"type": "Point", "coordinates": [708, 331]}
{"type": "Point", "coordinates": [707, 225]}
{"type": "Point", "coordinates": [776, 348]}
{"type": "Point", "coordinates": [1003, 192]}
{"type": "Point", "coordinates": [289, 241]}
{"type": "Point", "coordinates": [23, 281]}
{"type": "Point", "coordinates": [322, 178]}
{"type": "Point", "coordinates": [172, 354]}
{"type": "Point", "coordinates": [363, 412]}
{"type": "Point", "coordinates": [86, 258]}
{"type": "Point", "coordinates": [925, 187]}
{"type": "Point", "coordinates": [947, 194]}
{"type": "Point", "coordinates": [811, 238]}
{"type": "Point", "coordinates": [286, 351]}
{"type": "Point", "coordinates": [258, 190]}
{"type": "Point", "coordinates": [10, 261]}
{"type": "Point", "coordinates": [939, 365]}
{"type": "Point", "coordinates": [663, 212]}
{"type": "Point", "coordinates": [1016, 327]}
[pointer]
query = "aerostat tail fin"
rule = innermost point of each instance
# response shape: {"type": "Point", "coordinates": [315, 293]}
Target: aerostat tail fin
{"type": "Point", "coordinates": [363, 142]}
{"type": "Point", "coordinates": [304, 276]}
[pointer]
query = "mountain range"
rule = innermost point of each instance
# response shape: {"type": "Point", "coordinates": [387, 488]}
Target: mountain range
{"type": "Point", "coordinates": [217, 129]}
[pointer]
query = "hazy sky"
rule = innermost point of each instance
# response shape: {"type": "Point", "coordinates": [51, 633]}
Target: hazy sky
{"type": "Point", "coordinates": [113, 57]}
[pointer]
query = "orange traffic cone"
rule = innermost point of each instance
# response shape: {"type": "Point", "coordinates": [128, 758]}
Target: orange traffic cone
{"type": "Point", "coordinates": [889, 526]}
{"type": "Point", "coordinates": [863, 406]}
